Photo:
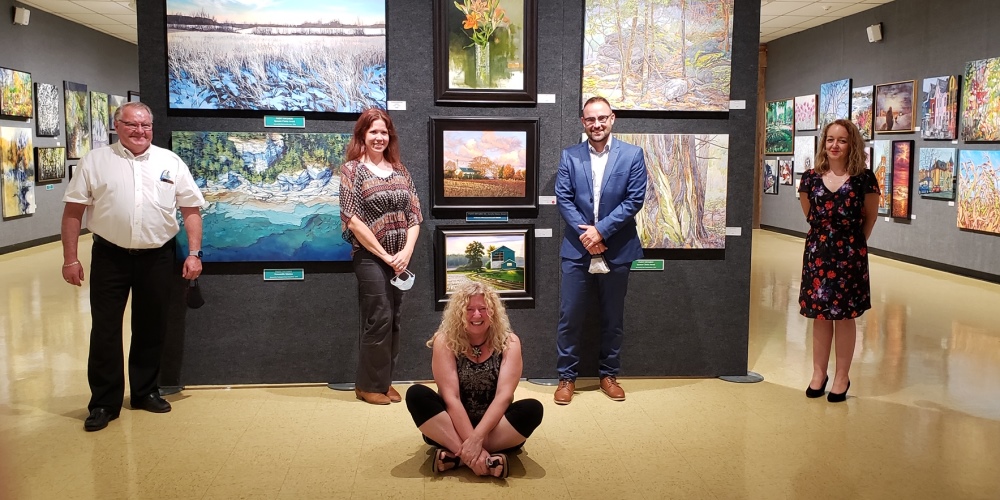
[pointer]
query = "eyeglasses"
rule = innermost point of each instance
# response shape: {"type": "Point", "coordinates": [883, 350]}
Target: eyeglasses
{"type": "Point", "coordinates": [136, 126]}
{"type": "Point", "coordinates": [600, 119]}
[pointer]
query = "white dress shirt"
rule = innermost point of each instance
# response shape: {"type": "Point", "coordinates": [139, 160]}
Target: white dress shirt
{"type": "Point", "coordinates": [132, 200]}
{"type": "Point", "coordinates": [598, 162]}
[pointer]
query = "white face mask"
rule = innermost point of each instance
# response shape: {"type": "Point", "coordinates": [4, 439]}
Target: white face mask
{"type": "Point", "coordinates": [404, 280]}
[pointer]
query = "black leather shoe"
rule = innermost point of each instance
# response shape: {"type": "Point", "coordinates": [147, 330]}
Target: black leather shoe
{"type": "Point", "coordinates": [151, 402]}
{"type": "Point", "coordinates": [834, 397]}
{"type": "Point", "coordinates": [817, 393]}
{"type": "Point", "coordinates": [98, 419]}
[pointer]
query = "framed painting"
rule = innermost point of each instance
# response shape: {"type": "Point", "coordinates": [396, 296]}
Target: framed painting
{"type": "Point", "coordinates": [485, 51]}
{"type": "Point", "coordinates": [17, 171]}
{"type": "Point", "coordinates": [499, 255]}
{"type": "Point", "coordinates": [272, 195]}
{"type": "Point", "coordinates": [294, 55]}
{"type": "Point", "coordinates": [50, 165]}
{"type": "Point", "coordinates": [114, 102]}
{"type": "Point", "coordinates": [679, 55]}
{"type": "Point", "coordinates": [902, 170]}
{"type": "Point", "coordinates": [981, 101]}
{"type": "Point", "coordinates": [868, 157]}
{"type": "Point", "coordinates": [769, 176]}
{"type": "Point", "coordinates": [977, 174]}
{"type": "Point", "coordinates": [805, 153]}
{"type": "Point", "coordinates": [882, 161]}
{"type": "Point", "coordinates": [805, 112]}
{"type": "Point", "coordinates": [862, 101]}
{"type": "Point", "coordinates": [785, 173]}
{"type": "Point", "coordinates": [483, 164]}
{"type": "Point", "coordinates": [939, 106]}
{"type": "Point", "coordinates": [834, 101]}
{"type": "Point", "coordinates": [779, 116]}
{"type": "Point", "coordinates": [133, 96]}
{"type": "Point", "coordinates": [894, 108]}
{"type": "Point", "coordinates": [98, 120]}
{"type": "Point", "coordinates": [76, 102]}
{"type": "Point", "coordinates": [46, 110]}
{"type": "Point", "coordinates": [936, 173]}
{"type": "Point", "coordinates": [15, 94]}
{"type": "Point", "coordinates": [687, 177]}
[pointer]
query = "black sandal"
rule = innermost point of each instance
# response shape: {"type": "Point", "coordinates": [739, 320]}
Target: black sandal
{"type": "Point", "coordinates": [443, 462]}
{"type": "Point", "coordinates": [498, 461]}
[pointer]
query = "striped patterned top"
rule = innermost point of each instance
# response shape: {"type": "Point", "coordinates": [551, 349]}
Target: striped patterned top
{"type": "Point", "coordinates": [388, 206]}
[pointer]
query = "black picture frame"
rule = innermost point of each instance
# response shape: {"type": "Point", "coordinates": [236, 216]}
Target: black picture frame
{"type": "Point", "coordinates": [446, 184]}
{"type": "Point", "coordinates": [44, 175]}
{"type": "Point", "coordinates": [519, 236]}
{"type": "Point", "coordinates": [133, 96]}
{"type": "Point", "coordinates": [16, 98]}
{"type": "Point", "coordinates": [450, 34]}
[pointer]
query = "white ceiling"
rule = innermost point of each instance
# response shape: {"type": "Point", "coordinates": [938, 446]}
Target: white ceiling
{"type": "Point", "coordinates": [777, 17]}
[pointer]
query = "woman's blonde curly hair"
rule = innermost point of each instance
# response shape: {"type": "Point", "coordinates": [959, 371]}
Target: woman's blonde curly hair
{"type": "Point", "coordinates": [453, 322]}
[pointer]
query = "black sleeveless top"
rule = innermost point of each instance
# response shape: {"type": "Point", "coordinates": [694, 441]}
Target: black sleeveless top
{"type": "Point", "coordinates": [477, 384]}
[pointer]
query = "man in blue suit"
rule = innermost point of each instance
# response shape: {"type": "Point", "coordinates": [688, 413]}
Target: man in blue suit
{"type": "Point", "coordinates": [600, 186]}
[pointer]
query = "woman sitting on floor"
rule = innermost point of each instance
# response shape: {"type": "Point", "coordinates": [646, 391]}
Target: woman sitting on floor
{"type": "Point", "coordinates": [476, 362]}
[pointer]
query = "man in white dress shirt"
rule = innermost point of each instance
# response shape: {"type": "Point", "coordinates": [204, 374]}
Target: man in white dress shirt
{"type": "Point", "coordinates": [130, 191]}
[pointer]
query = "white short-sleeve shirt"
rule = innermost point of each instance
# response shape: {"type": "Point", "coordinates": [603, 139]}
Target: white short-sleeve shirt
{"type": "Point", "coordinates": [132, 200]}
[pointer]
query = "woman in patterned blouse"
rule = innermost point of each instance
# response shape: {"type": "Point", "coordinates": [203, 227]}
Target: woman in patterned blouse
{"type": "Point", "coordinates": [380, 218]}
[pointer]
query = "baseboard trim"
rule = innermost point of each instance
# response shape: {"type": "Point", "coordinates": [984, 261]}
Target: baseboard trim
{"type": "Point", "coordinates": [33, 243]}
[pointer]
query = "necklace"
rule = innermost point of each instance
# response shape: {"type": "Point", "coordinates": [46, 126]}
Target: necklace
{"type": "Point", "coordinates": [477, 349]}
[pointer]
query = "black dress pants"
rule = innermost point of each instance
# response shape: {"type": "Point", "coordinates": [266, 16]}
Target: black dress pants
{"type": "Point", "coordinates": [380, 306]}
{"type": "Point", "coordinates": [115, 272]}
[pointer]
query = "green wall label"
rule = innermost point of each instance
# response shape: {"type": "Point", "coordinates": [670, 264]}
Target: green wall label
{"type": "Point", "coordinates": [285, 121]}
{"type": "Point", "coordinates": [647, 265]}
{"type": "Point", "coordinates": [284, 274]}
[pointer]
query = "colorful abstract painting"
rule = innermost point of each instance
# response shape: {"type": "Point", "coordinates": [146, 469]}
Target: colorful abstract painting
{"type": "Point", "coordinates": [679, 54]}
{"type": "Point", "coordinates": [686, 195]}
{"type": "Point", "coordinates": [785, 173]}
{"type": "Point", "coordinates": [769, 176]}
{"type": "Point", "coordinates": [981, 101]}
{"type": "Point", "coordinates": [15, 93]}
{"type": "Point", "coordinates": [862, 101]}
{"type": "Point", "coordinates": [114, 102]}
{"type": "Point", "coordinates": [939, 106]}
{"type": "Point", "coordinates": [978, 191]}
{"type": "Point", "coordinates": [834, 101]}
{"type": "Point", "coordinates": [805, 112]}
{"type": "Point", "coordinates": [76, 102]}
{"type": "Point", "coordinates": [805, 153]}
{"type": "Point", "coordinates": [779, 116]}
{"type": "Point", "coordinates": [46, 110]}
{"type": "Point", "coordinates": [50, 165]}
{"type": "Point", "coordinates": [894, 107]}
{"type": "Point", "coordinates": [936, 173]}
{"type": "Point", "coordinates": [272, 197]}
{"type": "Point", "coordinates": [98, 120]}
{"type": "Point", "coordinates": [293, 55]}
{"type": "Point", "coordinates": [17, 171]}
{"type": "Point", "coordinates": [902, 168]}
{"type": "Point", "coordinates": [882, 161]}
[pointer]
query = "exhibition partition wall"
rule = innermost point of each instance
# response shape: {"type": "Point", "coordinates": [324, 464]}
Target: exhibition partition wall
{"type": "Point", "coordinates": [688, 319]}
{"type": "Point", "coordinates": [938, 65]}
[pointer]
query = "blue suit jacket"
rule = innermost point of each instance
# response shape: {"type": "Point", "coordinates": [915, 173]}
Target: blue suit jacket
{"type": "Point", "coordinates": [623, 191]}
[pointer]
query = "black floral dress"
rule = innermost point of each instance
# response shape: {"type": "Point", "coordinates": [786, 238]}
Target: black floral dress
{"type": "Point", "coordinates": [835, 264]}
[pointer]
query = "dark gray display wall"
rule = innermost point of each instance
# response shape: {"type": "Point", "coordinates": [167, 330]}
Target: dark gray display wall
{"type": "Point", "coordinates": [922, 39]}
{"type": "Point", "coordinates": [690, 320]}
{"type": "Point", "coordinates": [53, 49]}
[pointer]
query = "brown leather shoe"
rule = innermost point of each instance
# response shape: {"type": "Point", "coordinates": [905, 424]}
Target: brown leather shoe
{"type": "Point", "coordinates": [393, 395]}
{"type": "Point", "coordinates": [564, 393]}
{"type": "Point", "coordinates": [375, 398]}
{"type": "Point", "coordinates": [611, 389]}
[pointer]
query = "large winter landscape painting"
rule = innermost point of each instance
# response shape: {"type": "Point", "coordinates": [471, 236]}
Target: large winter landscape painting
{"type": "Point", "coordinates": [272, 197]}
{"type": "Point", "coordinates": [281, 55]}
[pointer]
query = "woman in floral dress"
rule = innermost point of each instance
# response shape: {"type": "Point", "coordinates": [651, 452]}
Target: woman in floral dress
{"type": "Point", "coordinates": [840, 200]}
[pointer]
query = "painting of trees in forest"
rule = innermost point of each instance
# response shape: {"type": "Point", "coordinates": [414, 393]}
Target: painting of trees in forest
{"type": "Point", "coordinates": [77, 105]}
{"type": "Point", "coordinates": [99, 120]}
{"type": "Point", "coordinates": [47, 110]}
{"type": "Point", "coordinates": [981, 101]}
{"type": "Point", "coordinates": [686, 196]}
{"type": "Point", "coordinates": [658, 55]}
{"type": "Point", "coordinates": [834, 101]}
{"type": "Point", "coordinates": [272, 197]}
{"type": "Point", "coordinates": [50, 165]}
{"type": "Point", "coordinates": [15, 93]}
{"type": "Point", "coordinates": [779, 116]}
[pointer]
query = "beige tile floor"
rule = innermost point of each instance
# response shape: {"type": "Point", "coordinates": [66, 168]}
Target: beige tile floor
{"type": "Point", "coordinates": [923, 419]}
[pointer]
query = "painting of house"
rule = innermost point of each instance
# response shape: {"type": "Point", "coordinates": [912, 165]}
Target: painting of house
{"type": "Point", "coordinates": [502, 258]}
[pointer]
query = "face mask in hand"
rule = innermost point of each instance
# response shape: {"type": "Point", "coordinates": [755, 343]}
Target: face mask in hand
{"type": "Point", "coordinates": [404, 280]}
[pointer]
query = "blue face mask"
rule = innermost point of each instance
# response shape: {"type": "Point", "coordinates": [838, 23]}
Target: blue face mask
{"type": "Point", "coordinates": [404, 280]}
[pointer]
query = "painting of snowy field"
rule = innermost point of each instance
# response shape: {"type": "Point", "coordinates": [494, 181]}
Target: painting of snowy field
{"type": "Point", "coordinates": [286, 55]}
{"type": "Point", "coordinates": [272, 197]}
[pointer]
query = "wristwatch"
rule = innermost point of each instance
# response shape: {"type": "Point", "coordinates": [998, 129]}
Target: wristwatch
{"type": "Point", "coordinates": [195, 253]}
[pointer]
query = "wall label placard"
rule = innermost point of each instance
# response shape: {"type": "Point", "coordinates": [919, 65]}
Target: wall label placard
{"type": "Point", "coordinates": [284, 274]}
{"type": "Point", "coordinates": [647, 265]}
{"type": "Point", "coordinates": [486, 217]}
{"type": "Point", "coordinates": [272, 121]}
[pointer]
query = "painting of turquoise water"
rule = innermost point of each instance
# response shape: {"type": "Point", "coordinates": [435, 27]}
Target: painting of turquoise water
{"type": "Point", "coordinates": [279, 55]}
{"type": "Point", "coordinates": [272, 197]}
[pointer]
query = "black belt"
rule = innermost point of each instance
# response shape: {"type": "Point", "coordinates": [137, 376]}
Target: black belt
{"type": "Point", "coordinates": [131, 251]}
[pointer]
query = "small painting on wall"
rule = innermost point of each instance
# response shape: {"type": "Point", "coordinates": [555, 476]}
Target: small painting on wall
{"type": "Point", "coordinates": [936, 173]}
{"type": "Point", "coordinates": [834, 101]}
{"type": "Point", "coordinates": [17, 172]}
{"type": "Point", "coordinates": [805, 153]}
{"type": "Point", "coordinates": [894, 108]}
{"type": "Point", "coordinates": [861, 110]}
{"type": "Point", "coordinates": [501, 256]}
{"type": "Point", "coordinates": [785, 173]}
{"type": "Point", "coordinates": [98, 120]}
{"type": "Point", "coordinates": [805, 112]}
{"type": "Point", "coordinates": [902, 168]}
{"type": "Point", "coordinates": [50, 165]}
{"type": "Point", "coordinates": [779, 116]}
{"type": "Point", "coordinates": [77, 106]}
{"type": "Point", "coordinates": [15, 94]}
{"type": "Point", "coordinates": [939, 103]}
{"type": "Point", "coordinates": [882, 161]}
{"type": "Point", "coordinates": [977, 174]}
{"type": "Point", "coordinates": [47, 110]}
{"type": "Point", "coordinates": [769, 177]}
{"type": "Point", "coordinates": [114, 102]}
{"type": "Point", "coordinates": [981, 101]}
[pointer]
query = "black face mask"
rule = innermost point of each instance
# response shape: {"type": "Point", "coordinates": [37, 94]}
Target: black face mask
{"type": "Point", "coordinates": [192, 296]}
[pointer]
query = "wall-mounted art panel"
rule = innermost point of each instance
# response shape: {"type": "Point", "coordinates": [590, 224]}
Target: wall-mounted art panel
{"type": "Point", "coordinates": [679, 54]}
{"type": "Point", "coordinates": [981, 101]}
{"type": "Point", "coordinates": [98, 120]}
{"type": "Point", "coordinates": [769, 176]}
{"type": "Point", "coordinates": [882, 161]}
{"type": "Point", "coordinates": [785, 172]}
{"type": "Point", "coordinates": [50, 165]}
{"type": "Point", "coordinates": [272, 197]}
{"type": "Point", "coordinates": [978, 192]}
{"type": "Point", "coordinates": [46, 110]}
{"type": "Point", "coordinates": [76, 102]}
{"type": "Point", "coordinates": [936, 173]}
{"type": "Point", "coordinates": [114, 102]}
{"type": "Point", "coordinates": [862, 102]}
{"type": "Point", "coordinates": [939, 103]}
{"type": "Point", "coordinates": [778, 125]}
{"type": "Point", "coordinates": [17, 170]}
{"type": "Point", "coordinates": [834, 101]}
{"type": "Point", "coordinates": [868, 157]}
{"type": "Point", "coordinates": [15, 94]}
{"type": "Point", "coordinates": [805, 153]}
{"type": "Point", "coordinates": [499, 255]}
{"type": "Point", "coordinates": [894, 107]}
{"type": "Point", "coordinates": [902, 170]}
{"type": "Point", "coordinates": [293, 55]}
{"type": "Point", "coordinates": [805, 112]}
{"type": "Point", "coordinates": [685, 203]}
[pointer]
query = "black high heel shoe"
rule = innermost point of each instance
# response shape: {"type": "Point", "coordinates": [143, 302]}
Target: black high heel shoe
{"type": "Point", "coordinates": [817, 393]}
{"type": "Point", "coordinates": [839, 398]}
